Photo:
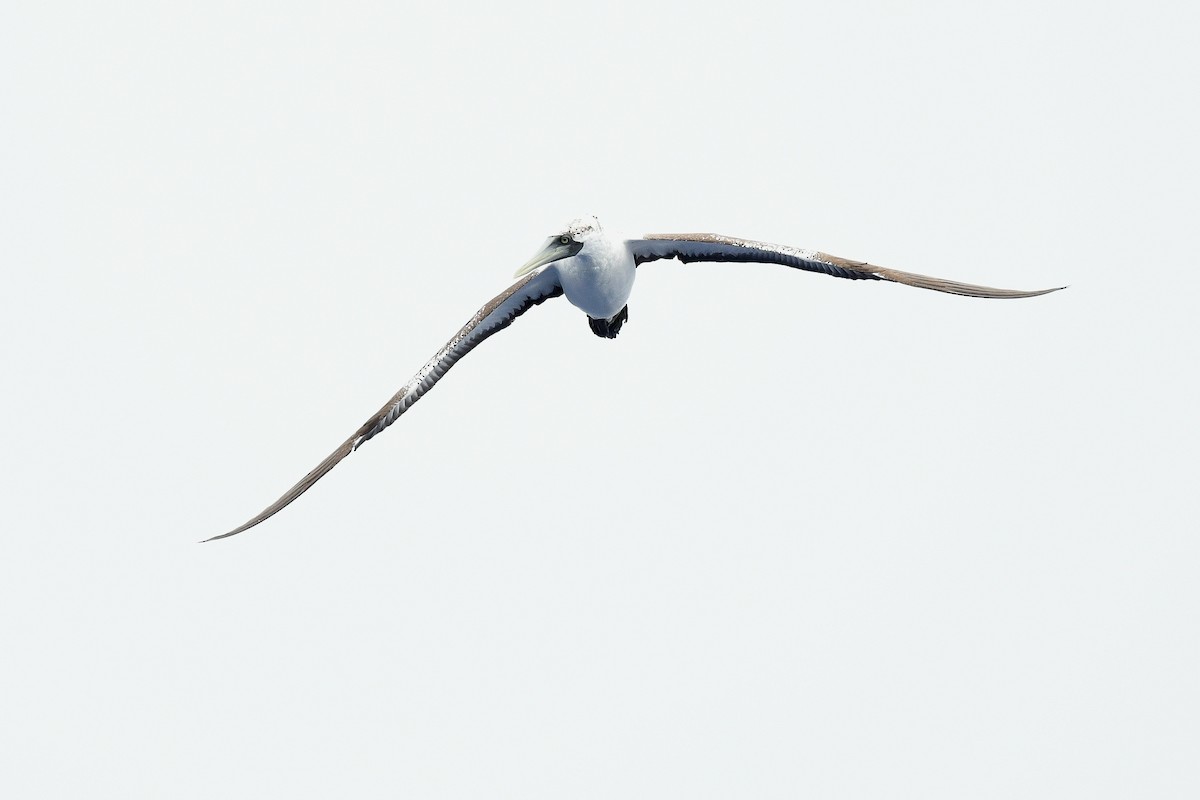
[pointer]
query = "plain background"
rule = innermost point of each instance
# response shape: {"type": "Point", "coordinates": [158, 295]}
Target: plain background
{"type": "Point", "coordinates": [787, 536]}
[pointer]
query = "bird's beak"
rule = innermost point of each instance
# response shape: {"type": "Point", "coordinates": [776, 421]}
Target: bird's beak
{"type": "Point", "coordinates": [553, 250]}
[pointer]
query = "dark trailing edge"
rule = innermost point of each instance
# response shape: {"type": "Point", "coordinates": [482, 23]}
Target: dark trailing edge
{"type": "Point", "coordinates": [514, 301]}
{"type": "Point", "coordinates": [689, 247]}
{"type": "Point", "coordinates": [728, 249]}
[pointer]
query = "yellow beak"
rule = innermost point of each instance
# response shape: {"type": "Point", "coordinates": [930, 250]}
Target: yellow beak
{"type": "Point", "coordinates": [553, 250]}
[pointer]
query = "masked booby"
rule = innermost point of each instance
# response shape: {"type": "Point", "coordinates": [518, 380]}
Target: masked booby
{"type": "Point", "coordinates": [595, 270]}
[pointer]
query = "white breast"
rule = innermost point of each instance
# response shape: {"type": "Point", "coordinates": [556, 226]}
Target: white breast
{"type": "Point", "coordinates": [599, 278]}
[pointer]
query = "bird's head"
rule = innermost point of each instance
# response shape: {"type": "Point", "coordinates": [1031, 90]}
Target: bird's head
{"type": "Point", "coordinates": [563, 244]}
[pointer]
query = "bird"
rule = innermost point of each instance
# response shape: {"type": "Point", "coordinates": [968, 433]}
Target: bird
{"type": "Point", "coordinates": [595, 270]}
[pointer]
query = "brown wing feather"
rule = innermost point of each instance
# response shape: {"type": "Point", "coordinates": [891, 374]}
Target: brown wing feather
{"type": "Point", "coordinates": [689, 247]}
{"type": "Point", "coordinates": [497, 315]}
{"type": "Point", "coordinates": [936, 284]}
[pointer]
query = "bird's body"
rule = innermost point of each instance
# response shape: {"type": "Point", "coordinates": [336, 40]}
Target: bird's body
{"type": "Point", "coordinates": [599, 280]}
{"type": "Point", "coordinates": [595, 270]}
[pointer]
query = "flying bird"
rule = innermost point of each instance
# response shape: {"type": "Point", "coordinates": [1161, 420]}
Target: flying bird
{"type": "Point", "coordinates": [595, 269]}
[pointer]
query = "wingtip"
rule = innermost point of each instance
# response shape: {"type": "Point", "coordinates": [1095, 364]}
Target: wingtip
{"type": "Point", "coordinates": [222, 536]}
{"type": "Point", "coordinates": [1041, 292]}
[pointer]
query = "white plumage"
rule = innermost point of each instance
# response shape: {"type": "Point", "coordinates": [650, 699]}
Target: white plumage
{"type": "Point", "coordinates": [596, 271]}
{"type": "Point", "coordinates": [599, 279]}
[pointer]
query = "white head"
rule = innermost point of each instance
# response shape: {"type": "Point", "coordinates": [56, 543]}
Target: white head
{"type": "Point", "coordinates": [564, 244]}
{"type": "Point", "coordinates": [582, 228]}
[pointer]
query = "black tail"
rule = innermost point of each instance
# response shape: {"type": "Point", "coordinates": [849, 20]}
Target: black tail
{"type": "Point", "coordinates": [609, 328]}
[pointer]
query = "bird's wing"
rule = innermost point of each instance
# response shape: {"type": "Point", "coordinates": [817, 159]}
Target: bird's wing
{"type": "Point", "coordinates": [492, 318]}
{"type": "Point", "coordinates": [715, 247]}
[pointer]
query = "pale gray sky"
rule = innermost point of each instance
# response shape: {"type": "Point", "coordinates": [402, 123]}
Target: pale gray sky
{"type": "Point", "coordinates": [787, 536]}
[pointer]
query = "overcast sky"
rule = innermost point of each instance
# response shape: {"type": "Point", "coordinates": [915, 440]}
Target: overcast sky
{"type": "Point", "coordinates": [788, 536]}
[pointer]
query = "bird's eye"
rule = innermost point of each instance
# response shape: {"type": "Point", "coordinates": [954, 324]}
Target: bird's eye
{"type": "Point", "coordinates": [564, 239]}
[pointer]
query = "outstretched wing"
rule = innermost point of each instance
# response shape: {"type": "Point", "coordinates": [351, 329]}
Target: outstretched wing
{"type": "Point", "coordinates": [492, 318]}
{"type": "Point", "coordinates": [715, 247]}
